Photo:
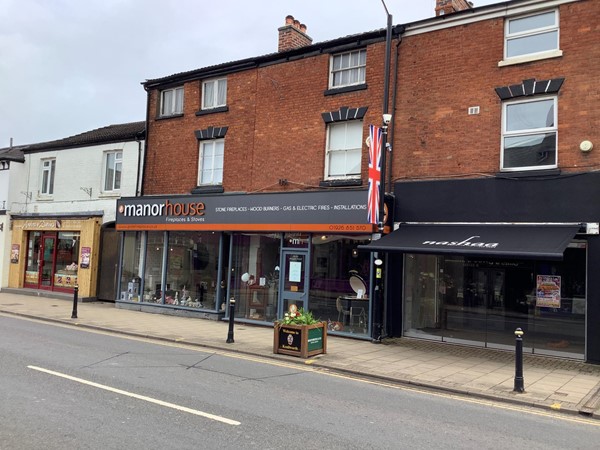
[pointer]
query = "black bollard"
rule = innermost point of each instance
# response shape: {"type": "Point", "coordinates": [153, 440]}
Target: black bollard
{"type": "Point", "coordinates": [519, 381]}
{"type": "Point", "coordinates": [74, 313]}
{"type": "Point", "coordinates": [231, 314]}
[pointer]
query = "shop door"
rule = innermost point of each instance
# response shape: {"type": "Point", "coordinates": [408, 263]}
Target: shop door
{"type": "Point", "coordinates": [481, 316]}
{"type": "Point", "coordinates": [294, 280]}
{"type": "Point", "coordinates": [47, 262]}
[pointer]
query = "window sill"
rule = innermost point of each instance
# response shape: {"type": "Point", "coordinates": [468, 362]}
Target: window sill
{"type": "Point", "coordinates": [44, 198]}
{"type": "Point", "coordinates": [220, 109]}
{"type": "Point", "coordinates": [341, 182]}
{"type": "Point", "coordinates": [174, 116]}
{"type": "Point", "coordinates": [529, 58]}
{"type": "Point", "coordinates": [528, 173]}
{"type": "Point", "coordinates": [208, 189]}
{"type": "Point", "coordinates": [343, 90]}
{"type": "Point", "coordinates": [109, 194]}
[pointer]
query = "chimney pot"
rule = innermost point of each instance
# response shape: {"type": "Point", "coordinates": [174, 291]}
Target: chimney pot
{"type": "Point", "coordinates": [293, 35]}
{"type": "Point", "coordinates": [443, 7]}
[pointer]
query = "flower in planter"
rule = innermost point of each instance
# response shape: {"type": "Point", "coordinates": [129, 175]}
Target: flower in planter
{"type": "Point", "coordinates": [297, 316]}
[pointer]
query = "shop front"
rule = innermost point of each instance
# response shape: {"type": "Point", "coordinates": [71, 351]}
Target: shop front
{"type": "Point", "coordinates": [191, 254]}
{"type": "Point", "coordinates": [475, 284]}
{"type": "Point", "coordinates": [472, 260]}
{"type": "Point", "coordinates": [54, 254]}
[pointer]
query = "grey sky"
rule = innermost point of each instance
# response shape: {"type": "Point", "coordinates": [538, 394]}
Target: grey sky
{"type": "Point", "coordinates": [69, 66]}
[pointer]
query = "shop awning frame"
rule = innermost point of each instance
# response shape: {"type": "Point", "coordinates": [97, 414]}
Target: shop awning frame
{"type": "Point", "coordinates": [531, 241]}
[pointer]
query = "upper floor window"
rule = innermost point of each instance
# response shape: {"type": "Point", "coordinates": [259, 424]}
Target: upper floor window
{"type": "Point", "coordinates": [348, 69]}
{"type": "Point", "coordinates": [210, 168]}
{"type": "Point", "coordinates": [530, 35]}
{"type": "Point", "coordinates": [48, 167]}
{"type": "Point", "coordinates": [344, 149]}
{"type": "Point", "coordinates": [171, 101]}
{"type": "Point", "coordinates": [214, 93]}
{"type": "Point", "coordinates": [529, 134]}
{"type": "Point", "coordinates": [113, 165]}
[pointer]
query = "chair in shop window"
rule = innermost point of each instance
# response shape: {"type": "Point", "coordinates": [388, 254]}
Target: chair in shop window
{"type": "Point", "coordinates": [342, 312]}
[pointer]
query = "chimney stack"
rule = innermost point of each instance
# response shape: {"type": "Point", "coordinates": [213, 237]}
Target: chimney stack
{"type": "Point", "coordinates": [293, 35]}
{"type": "Point", "coordinates": [444, 7]}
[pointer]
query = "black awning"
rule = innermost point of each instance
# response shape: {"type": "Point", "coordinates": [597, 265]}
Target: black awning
{"type": "Point", "coordinates": [524, 241]}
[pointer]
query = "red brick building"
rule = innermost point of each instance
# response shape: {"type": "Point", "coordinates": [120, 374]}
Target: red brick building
{"type": "Point", "coordinates": [493, 112]}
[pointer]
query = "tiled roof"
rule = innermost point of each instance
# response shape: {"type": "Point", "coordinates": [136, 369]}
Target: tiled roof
{"type": "Point", "coordinates": [12, 153]}
{"type": "Point", "coordinates": [112, 133]}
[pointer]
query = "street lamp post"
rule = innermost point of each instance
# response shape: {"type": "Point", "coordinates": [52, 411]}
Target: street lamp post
{"type": "Point", "coordinates": [378, 302]}
{"type": "Point", "coordinates": [387, 118]}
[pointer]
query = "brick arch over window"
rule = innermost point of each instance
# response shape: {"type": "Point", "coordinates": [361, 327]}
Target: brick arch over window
{"type": "Point", "coordinates": [530, 87]}
{"type": "Point", "coordinates": [211, 133]}
{"type": "Point", "coordinates": [344, 113]}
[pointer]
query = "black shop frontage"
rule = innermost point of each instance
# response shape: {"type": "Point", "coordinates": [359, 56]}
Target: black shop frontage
{"type": "Point", "coordinates": [472, 260]}
{"type": "Point", "coordinates": [190, 254]}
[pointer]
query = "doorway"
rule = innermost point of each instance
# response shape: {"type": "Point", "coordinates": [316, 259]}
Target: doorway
{"type": "Point", "coordinates": [294, 280]}
{"type": "Point", "coordinates": [47, 261]}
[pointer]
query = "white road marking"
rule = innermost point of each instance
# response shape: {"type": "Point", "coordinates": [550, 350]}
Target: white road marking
{"type": "Point", "coordinates": [139, 397]}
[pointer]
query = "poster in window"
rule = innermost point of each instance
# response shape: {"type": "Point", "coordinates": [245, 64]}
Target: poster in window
{"type": "Point", "coordinates": [14, 253]}
{"type": "Point", "coordinates": [295, 272]}
{"type": "Point", "coordinates": [85, 257]}
{"type": "Point", "coordinates": [548, 291]}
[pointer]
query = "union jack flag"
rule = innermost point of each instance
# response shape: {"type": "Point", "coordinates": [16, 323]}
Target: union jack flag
{"type": "Point", "coordinates": [374, 173]}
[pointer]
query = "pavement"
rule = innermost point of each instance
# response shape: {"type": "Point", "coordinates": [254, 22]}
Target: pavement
{"type": "Point", "coordinates": [550, 383]}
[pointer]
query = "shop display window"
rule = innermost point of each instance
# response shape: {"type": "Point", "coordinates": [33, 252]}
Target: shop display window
{"type": "Point", "coordinates": [33, 258]}
{"type": "Point", "coordinates": [131, 268]}
{"type": "Point", "coordinates": [254, 276]}
{"type": "Point", "coordinates": [482, 301]}
{"type": "Point", "coordinates": [67, 260]}
{"type": "Point", "coordinates": [339, 282]}
{"type": "Point", "coordinates": [153, 268]}
{"type": "Point", "coordinates": [192, 269]}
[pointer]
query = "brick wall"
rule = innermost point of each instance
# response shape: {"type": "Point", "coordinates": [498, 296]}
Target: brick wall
{"type": "Point", "coordinates": [276, 130]}
{"type": "Point", "coordinates": [443, 73]}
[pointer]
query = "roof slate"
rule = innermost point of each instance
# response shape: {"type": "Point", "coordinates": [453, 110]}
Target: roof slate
{"type": "Point", "coordinates": [111, 133]}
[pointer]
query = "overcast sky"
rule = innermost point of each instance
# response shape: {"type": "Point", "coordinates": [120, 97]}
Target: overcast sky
{"type": "Point", "coordinates": [70, 66]}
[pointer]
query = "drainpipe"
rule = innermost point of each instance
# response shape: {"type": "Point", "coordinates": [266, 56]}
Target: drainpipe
{"type": "Point", "coordinates": [139, 183]}
{"type": "Point", "coordinates": [394, 94]}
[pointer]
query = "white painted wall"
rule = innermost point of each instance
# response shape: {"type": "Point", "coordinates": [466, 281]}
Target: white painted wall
{"type": "Point", "coordinates": [11, 181]}
{"type": "Point", "coordinates": [78, 168]}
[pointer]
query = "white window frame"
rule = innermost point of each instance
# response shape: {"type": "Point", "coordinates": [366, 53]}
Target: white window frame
{"type": "Point", "coordinates": [212, 102]}
{"type": "Point", "coordinates": [214, 171]}
{"type": "Point", "coordinates": [529, 132]}
{"type": "Point", "coordinates": [171, 106]}
{"type": "Point", "coordinates": [346, 149]}
{"type": "Point", "coordinates": [47, 166]}
{"type": "Point", "coordinates": [361, 68]}
{"type": "Point", "coordinates": [117, 162]}
{"type": "Point", "coordinates": [531, 33]}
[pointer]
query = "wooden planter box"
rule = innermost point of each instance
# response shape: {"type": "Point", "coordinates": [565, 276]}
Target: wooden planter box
{"type": "Point", "coordinates": [300, 340]}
